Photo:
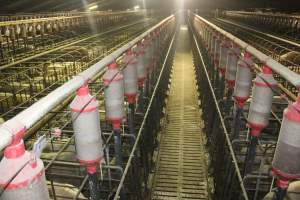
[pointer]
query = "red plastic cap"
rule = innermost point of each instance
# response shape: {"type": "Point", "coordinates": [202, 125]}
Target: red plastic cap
{"type": "Point", "coordinates": [83, 91]}
{"type": "Point", "coordinates": [15, 151]}
{"type": "Point", "coordinates": [16, 128]}
{"type": "Point", "coordinates": [91, 169]}
{"type": "Point", "coordinates": [222, 71]}
{"type": "Point", "coordinates": [247, 55]}
{"type": "Point", "coordinates": [256, 129]}
{"type": "Point", "coordinates": [284, 184]}
{"type": "Point", "coordinates": [231, 83]}
{"type": "Point", "coordinates": [130, 98]}
{"type": "Point", "coordinates": [129, 52]}
{"type": "Point", "coordinates": [84, 102]}
{"type": "Point", "coordinates": [113, 65]}
{"type": "Point", "coordinates": [16, 148]}
{"type": "Point", "coordinates": [240, 101]}
{"type": "Point", "coordinates": [266, 70]}
{"type": "Point", "coordinates": [292, 112]}
{"type": "Point", "coordinates": [90, 162]}
{"type": "Point", "coordinates": [116, 124]}
{"type": "Point", "coordinates": [141, 81]}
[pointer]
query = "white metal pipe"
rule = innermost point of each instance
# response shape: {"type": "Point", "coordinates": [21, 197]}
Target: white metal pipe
{"type": "Point", "coordinates": [280, 69]}
{"type": "Point", "coordinates": [35, 112]}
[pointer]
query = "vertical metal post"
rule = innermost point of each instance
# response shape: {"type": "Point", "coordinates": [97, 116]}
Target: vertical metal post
{"type": "Point", "coordinates": [236, 126]}
{"type": "Point", "coordinates": [93, 183]}
{"type": "Point", "coordinates": [118, 147]}
{"type": "Point", "coordinates": [250, 155]}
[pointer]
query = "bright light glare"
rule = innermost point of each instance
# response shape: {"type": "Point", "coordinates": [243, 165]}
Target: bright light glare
{"type": "Point", "coordinates": [184, 28]}
{"type": "Point", "coordinates": [136, 7]}
{"type": "Point", "coordinates": [93, 7]}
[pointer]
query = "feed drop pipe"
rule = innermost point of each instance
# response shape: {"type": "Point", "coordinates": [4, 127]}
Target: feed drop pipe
{"type": "Point", "coordinates": [141, 71]}
{"type": "Point", "coordinates": [114, 105]}
{"type": "Point", "coordinates": [154, 52]}
{"type": "Point", "coordinates": [216, 59]}
{"type": "Point", "coordinates": [130, 86]}
{"type": "Point", "coordinates": [130, 92]}
{"type": "Point", "coordinates": [223, 56]}
{"type": "Point", "coordinates": [231, 65]}
{"type": "Point", "coordinates": [140, 65]}
{"type": "Point", "coordinates": [114, 108]}
{"type": "Point", "coordinates": [259, 112]}
{"type": "Point", "coordinates": [149, 48]}
{"type": "Point", "coordinates": [212, 46]}
{"type": "Point", "coordinates": [88, 141]}
{"type": "Point", "coordinates": [149, 63]}
{"type": "Point", "coordinates": [38, 110]}
{"type": "Point", "coordinates": [242, 87]}
{"type": "Point", "coordinates": [230, 72]}
{"type": "Point", "coordinates": [286, 163]}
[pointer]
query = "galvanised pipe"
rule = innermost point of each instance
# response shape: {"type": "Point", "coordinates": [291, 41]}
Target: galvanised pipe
{"type": "Point", "coordinates": [130, 76]}
{"type": "Point", "coordinates": [231, 66]}
{"type": "Point", "coordinates": [212, 45]}
{"type": "Point", "coordinates": [259, 112]}
{"type": "Point", "coordinates": [140, 64]}
{"type": "Point", "coordinates": [217, 52]}
{"type": "Point", "coordinates": [88, 141]}
{"type": "Point", "coordinates": [114, 105]}
{"type": "Point", "coordinates": [280, 69]}
{"type": "Point", "coordinates": [39, 109]}
{"type": "Point", "coordinates": [243, 80]}
{"type": "Point", "coordinates": [223, 57]}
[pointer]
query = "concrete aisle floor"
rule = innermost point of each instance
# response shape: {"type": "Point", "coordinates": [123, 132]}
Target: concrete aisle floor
{"type": "Point", "coordinates": [181, 166]}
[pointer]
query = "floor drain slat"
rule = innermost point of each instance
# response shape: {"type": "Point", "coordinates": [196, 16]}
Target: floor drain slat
{"type": "Point", "coordinates": [181, 168]}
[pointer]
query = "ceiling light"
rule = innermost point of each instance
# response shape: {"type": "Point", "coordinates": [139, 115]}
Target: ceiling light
{"type": "Point", "coordinates": [93, 7]}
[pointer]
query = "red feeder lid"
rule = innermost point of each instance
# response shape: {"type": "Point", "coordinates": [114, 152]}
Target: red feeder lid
{"type": "Point", "coordinates": [266, 70]}
{"type": "Point", "coordinates": [130, 98]}
{"type": "Point", "coordinates": [84, 102]}
{"type": "Point", "coordinates": [240, 101]}
{"type": "Point", "coordinates": [256, 128]}
{"type": "Point", "coordinates": [112, 65]}
{"type": "Point", "coordinates": [129, 58]}
{"type": "Point", "coordinates": [265, 79]}
{"type": "Point", "coordinates": [112, 74]}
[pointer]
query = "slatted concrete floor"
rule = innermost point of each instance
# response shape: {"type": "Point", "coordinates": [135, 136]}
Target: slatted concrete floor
{"type": "Point", "coordinates": [181, 167]}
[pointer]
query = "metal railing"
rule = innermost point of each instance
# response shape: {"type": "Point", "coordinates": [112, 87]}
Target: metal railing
{"type": "Point", "coordinates": [39, 109]}
{"type": "Point", "coordinates": [232, 178]}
